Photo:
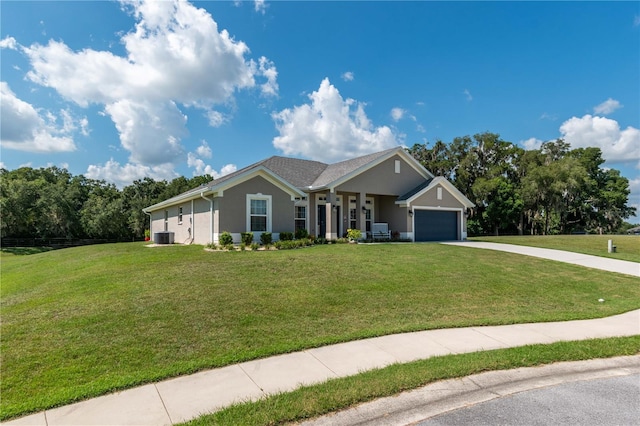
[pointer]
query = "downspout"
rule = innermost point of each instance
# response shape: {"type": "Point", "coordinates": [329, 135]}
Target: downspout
{"type": "Point", "coordinates": [193, 224]}
{"type": "Point", "coordinates": [210, 200]}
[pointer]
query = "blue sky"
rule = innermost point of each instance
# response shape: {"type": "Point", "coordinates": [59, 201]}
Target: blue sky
{"type": "Point", "coordinates": [122, 90]}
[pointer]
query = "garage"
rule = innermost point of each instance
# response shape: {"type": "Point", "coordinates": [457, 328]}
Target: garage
{"type": "Point", "coordinates": [435, 225]}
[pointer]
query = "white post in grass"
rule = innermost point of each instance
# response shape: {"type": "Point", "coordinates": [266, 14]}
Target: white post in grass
{"type": "Point", "coordinates": [610, 246]}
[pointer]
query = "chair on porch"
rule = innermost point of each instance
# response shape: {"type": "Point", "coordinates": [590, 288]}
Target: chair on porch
{"type": "Point", "coordinates": [380, 231]}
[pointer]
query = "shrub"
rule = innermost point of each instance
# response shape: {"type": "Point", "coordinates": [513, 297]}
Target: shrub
{"type": "Point", "coordinates": [225, 239]}
{"type": "Point", "coordinates": [243, 246]}
{"type": "Point", "coordinates": [247, 238]}
{"type": "Point", "coordinates": [286, 236]}
{"type": "Point", "coordinates": [266, 239]}
{"type": "Point", "coordinates": [301, 234]}
{"type": "Point", "coordinates": [212, 246]}
{"type": "Point", "coordinates": [255, 246]}
{"type": "Point", "coordinates": [321, 240]}
{"type": "Point", "coordinates": [354, 234]}
{"type": "Point", "coordinates": [291, 244]}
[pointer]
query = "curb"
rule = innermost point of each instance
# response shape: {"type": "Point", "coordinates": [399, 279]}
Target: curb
{"type": "Point", "coordinates": [444, 396]}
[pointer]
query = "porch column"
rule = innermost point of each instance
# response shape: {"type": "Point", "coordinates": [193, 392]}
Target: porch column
{"type": "Point", "coordinates": [330, 219]}
{"type": "Point", "coordinates": [312, 220]}
{"type": "Point", "coordinates": [361, 205]}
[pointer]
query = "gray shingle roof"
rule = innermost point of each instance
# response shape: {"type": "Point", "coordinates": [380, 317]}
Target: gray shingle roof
{"type": "Point", "coordinates": [305, 173]}
{"type": "Point", "coordinates": [301, 174]}
{"type": "Point", "coordinates": [415, 190]}
{"type": "Point", "coordinates": [333, 172]}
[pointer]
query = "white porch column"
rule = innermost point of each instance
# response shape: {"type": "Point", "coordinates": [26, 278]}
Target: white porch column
{"type": "Point", "coordinates": [361, 205]}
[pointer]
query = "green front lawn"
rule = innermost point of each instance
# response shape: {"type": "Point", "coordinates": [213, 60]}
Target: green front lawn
{"type": "Point", "coordinates": [628, 246]}
{"type": "Point", "coordinates": [85, 321]}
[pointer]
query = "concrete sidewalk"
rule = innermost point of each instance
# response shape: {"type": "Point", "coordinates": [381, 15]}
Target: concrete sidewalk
{"type": "Point", "coordinates": [183, 398]}
{"type": "Point", "coordinates": [596, 262]}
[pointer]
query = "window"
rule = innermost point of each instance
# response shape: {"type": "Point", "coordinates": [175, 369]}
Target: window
{"type": "Point", "coordinates": [439, 193]}
{"type": "Point", "coordinates": [258, 213]}
{"type": "Point", "coordinates": [352, 213]}
{"type": "Point", "coordinates": [368, 214]}
{"type": "Point", "coordinates": [180, 216]}
{"type": "Point", "coordinates": [166, 220]}
{"type": "Point", "coordinates": [301, 217]}
{"type": "Point", "coordinates": [397, 166]}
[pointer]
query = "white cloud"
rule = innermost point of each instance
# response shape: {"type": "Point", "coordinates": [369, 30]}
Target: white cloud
{"type": "Point", "coordinates": [531, 144]}
{"type": "Point", "coordinates": [175, 55]}
{"type": "Point", "coordinates": [23, 128]}
{"type": "Point", "coordinates": [397, 113]}
{"type": "Point", "coordinates": [260, 6]}
{"type": "Point", "coordinates": [122, 176]}
{"type": "Point", "coordinates": [8, 43]}
{"type": "Point", "coordinates": [468, 95]}
{"type": "Point", "coordinates": [203, 150]}
{"type": "Point", "coordinates": [591, 131]}
{"type": "Point", "coordinates": [204, 169]}
{"type": "Point", "coordinates": [268, 70]}
{"type": "Point", "coordinates": [607, 107]}
{"type": "Point", "coordinates": [216, 118]}
{"type": "Point", "coordinates": [348, 76]}
{"type": "Point", "coordinates": [546, 116]}
{"type": "Point", "coordinates": [420, 128]}
{"type": "Point", "coordinates": [149, 131]}
{"type": "Point", "coordinates": [329, 128]}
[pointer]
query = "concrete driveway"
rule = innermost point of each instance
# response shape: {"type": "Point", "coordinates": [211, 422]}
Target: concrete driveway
{"type": "Point", "coordinates": [595, 262]}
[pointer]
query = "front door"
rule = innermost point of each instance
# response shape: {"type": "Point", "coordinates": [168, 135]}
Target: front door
{"type": "Point", "coordinates": [322, 221]}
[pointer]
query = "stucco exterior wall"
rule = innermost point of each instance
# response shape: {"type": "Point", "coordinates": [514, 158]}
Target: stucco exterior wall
{"type": "Point", "coordinates": [388, 211]}
{"type": "Point", "coordinates": [232, 206]}
{"type": "Point", "coordinates": [383, 180]}
{"type": "Point", "coordinates": [430, 199]}
{"type": "Point", "coordinates": [201, 222]}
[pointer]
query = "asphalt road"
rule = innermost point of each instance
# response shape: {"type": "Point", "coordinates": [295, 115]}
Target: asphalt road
{"type": "Point", "coordinates": [611, 401]}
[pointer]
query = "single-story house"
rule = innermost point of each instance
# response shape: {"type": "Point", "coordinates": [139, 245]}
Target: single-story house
{"type": "Point", "coordinates": [387, 193]}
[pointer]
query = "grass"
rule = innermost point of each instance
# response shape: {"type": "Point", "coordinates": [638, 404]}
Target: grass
{"type": "Point", "coordinates": [85, 321]}
{"type": "Point", "coordinates": [628, 246]}
{"type": "Point", "coordinates": [333, 395]}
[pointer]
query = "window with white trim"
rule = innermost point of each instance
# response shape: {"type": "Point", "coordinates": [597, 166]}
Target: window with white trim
{"type": "Point", "coordinates": [397, 166]}
{"type": "Point", "coordinates": [439, 193]}
{"type": "Point", "coordinates": [179, 215]}
{"type": "Point", "coordinates": [352, 213]}
{"type": "Point", "coordinates": [301, 217]}
{"type": "Point", "coordinates": [258, 213]}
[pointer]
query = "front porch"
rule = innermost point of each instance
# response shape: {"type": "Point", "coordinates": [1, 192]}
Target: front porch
{"type": "Point", "coordinates": [375, 215]}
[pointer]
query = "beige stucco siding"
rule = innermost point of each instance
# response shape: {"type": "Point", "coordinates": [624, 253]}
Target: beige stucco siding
{"type": "Point", "coordinates": [388, 211]}
{"type": "Point", "coordinates": [430, 199]}
{"type": "Point", "coordinates": [201, 221]}
{"type": "Point", "coordinates": [383, 180]}
{"type": "Point", "coordinates": [232, 206]}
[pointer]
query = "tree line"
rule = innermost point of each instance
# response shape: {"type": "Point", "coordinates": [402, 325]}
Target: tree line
{"type": "Point", "coordinates": [551, 190]}
{"type": "Point", "coordinates": [52, 203]}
